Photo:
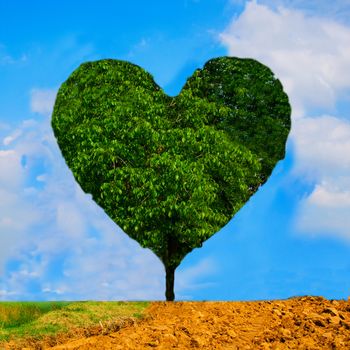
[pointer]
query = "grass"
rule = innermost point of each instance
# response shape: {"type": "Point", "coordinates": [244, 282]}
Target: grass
{"type": "Point", "coordinates": [36, 320]}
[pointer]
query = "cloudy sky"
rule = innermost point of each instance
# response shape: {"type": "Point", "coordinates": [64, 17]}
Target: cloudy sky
{"type": "Point", "coordinates": [291, 238]}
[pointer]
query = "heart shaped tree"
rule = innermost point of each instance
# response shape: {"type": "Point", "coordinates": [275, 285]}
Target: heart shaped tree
{"type": "Point", "coordinates": [171, 171]}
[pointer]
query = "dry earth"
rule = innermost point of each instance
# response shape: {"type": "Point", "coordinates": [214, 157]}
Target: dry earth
{"type": "Point", "coordinates": [297, 323]}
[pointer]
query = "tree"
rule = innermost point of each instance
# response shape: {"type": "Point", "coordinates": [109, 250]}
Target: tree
{"type": "Point", "coordinates": [171, 171]}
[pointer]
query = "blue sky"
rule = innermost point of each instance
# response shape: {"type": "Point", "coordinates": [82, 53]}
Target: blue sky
{"type": "Point", "coordinates": [291, 238]}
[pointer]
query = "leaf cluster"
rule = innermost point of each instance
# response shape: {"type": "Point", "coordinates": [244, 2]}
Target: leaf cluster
{"type": "Point", "coordinates": [171, 171]}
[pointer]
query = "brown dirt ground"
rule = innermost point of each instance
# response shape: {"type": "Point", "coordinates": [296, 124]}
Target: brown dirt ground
{"type": "Point", "coordinates": [303, 323]}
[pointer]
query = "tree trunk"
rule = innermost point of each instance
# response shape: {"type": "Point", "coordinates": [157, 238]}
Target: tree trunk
{"type": "Point", "coordinates": [169, 282]}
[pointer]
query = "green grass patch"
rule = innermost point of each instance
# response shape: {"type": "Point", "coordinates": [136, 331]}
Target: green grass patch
{"type": "Point", "coordinates": [40, 319]}
{"type": "Point", "coordinates": [15, 314]}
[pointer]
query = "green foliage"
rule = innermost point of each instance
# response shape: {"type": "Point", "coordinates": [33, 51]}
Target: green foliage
{"type": "Point", "coordinates": [171, 171]}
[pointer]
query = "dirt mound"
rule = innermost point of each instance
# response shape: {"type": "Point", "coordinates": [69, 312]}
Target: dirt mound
{"type": "Point", "coordinates": [297, 323]}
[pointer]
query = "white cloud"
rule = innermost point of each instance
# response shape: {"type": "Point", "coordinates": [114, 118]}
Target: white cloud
{"type": "Point", "coordinates": [16, 212]}
{"type": "Point", "coordinates": [69, 219]}
{"type": "Point", "coordinates": [310, 55]}
{"type": "Point", "coordinates": [325, 212]}
{"type": "Point", "coordinates": [5, 293]}
{"type": "Point", "coordinates": [16, 217]}
{"type": "Point", "coordinates": [41, 177]}
{"type": "Point", "coordinates": [322, 147]}
{"type": "Point", "coordinates": [337, 9]}
{"type": "Point", "coordinates": [53, 291]}
{"type": "Point", "coordinates": [42, 101]}
{"type": "Point", "coordinates": [10, 138]}
{"type": "Point", "coordinates": [11, 172]}
{"type": "Point", "coordinates": [330, 196]}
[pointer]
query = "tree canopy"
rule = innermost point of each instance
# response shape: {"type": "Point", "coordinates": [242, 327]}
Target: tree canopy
{"type": "Point", "coordinates": [171, 171]}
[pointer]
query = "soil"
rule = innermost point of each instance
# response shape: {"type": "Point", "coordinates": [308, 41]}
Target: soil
{"type": "Point", "coordinates": [303, 323]}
